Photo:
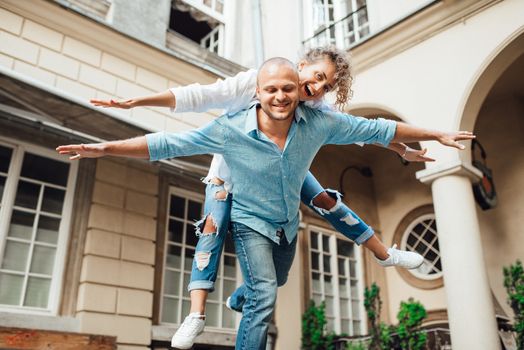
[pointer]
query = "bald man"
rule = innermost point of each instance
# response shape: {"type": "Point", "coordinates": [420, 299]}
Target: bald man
{"type": "Point", "coordinates": [273, 142]}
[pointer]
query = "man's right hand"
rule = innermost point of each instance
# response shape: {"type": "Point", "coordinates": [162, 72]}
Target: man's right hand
{"type": "Point", "coordinates": [92, 150]}
{"type": "Point", "coordinates": [113, 103]}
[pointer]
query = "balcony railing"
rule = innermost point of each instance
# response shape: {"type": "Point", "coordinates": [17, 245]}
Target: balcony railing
{"type": "Point", "coordinates": [437, 339]}
{"type": "Point", "coordinates": [344, 32]}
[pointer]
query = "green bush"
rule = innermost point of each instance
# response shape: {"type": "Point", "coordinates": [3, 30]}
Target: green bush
{"type": "Point", "coordinates": [356, 346]}
{"type": "Point", "coordinates": [514, 283]}
{"type": "Point", "coordinates": [410, 317]}
{"type": "Point", "coordinates": [314, 336]}
{"type": "Point", "coordinates": [380, 332]}
{"type": "Point", "coordinates": [407, 335]}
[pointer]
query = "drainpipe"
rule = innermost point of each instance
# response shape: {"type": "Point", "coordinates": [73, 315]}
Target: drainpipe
{"type": "Point", "coordinates": [257, 32]}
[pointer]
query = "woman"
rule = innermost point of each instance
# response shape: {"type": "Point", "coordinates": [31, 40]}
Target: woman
{"type": "Point", "coordinates": [321, 70]}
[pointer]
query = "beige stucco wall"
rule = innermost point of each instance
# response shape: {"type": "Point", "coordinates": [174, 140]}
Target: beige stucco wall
{"type": "Point", "coordinates": [428, 83]}
{"type": "Point", "coordinates": [397, 193]}
{"type": "Point", "coordinates": [115, 294]}
{"type": "Point", "coordinates": [500, 129]}
{"type": "Point", "coordinates": [84, 59]}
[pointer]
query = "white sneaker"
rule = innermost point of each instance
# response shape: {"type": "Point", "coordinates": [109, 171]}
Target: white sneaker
{"type": "Point", "coordinates": [185, 336]}
{"type": "Point", "coordinates": [401, 258]}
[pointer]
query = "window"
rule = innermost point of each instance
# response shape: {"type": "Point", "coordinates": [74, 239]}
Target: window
{"type": "Point", "coordinates": [184, 208]}
{"type": "Point", "coordinates": [35, 203]}
{"type": "Point", "coordinates": [421, 236]}
{"type": "Point", "coordinates": [356, 25]}
{"type": "Point", "coordinates": [417, 231]}
{"type": "Point", "coordinates": [201, 21]}
{"type": "Point", "coordinates": [336, 278]}
{"type": "Point", "coordinates": [340, 23]}
{"type": "Point", "coordinates": [323, 19]}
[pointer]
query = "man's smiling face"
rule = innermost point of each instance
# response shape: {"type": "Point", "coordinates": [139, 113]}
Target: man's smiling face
{"type": "Point", "coordinates": [277, 90]}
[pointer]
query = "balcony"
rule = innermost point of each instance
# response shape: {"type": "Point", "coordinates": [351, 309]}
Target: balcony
{"type": "Point", "coordinates": [343, 33]}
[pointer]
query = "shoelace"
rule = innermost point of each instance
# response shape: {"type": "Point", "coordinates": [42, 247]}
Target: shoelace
{"type": "Point", "coordinates": [392, 253]}
{"type": "Point", "coordinates": [189, 326]}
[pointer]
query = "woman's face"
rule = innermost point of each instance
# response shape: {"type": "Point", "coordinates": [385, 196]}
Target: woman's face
{"type": "Point", "coordinates": [315, 79]}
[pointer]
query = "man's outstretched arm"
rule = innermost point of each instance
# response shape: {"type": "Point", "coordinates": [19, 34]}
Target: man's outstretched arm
{"type": "Point", "coordinates": [133, 148]}
{"type": "Point", "coordinates": [409, 133]}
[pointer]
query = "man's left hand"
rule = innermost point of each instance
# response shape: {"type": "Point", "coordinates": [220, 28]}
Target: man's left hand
{"type": "Point", "coordinates": [450, 138]}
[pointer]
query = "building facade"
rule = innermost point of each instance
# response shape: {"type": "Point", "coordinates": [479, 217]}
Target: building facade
{"type": "Point", "coordinates": [104, 247]}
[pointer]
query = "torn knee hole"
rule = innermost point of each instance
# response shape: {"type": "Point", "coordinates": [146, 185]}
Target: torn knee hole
{"type": "Point", "coordinates": [202, 259]}
{"type": "Point", "coordinates": [221, 195]}
{"type": "Point", "coordinates": [325, 201]}
{"type": "Point", "coordinates": [209, 226]}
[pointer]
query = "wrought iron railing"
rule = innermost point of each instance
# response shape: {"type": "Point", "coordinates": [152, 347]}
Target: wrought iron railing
{"type": "Point", "coordinates": [437, 339]}
{"type": "Point", "coordinates": [344, 32]}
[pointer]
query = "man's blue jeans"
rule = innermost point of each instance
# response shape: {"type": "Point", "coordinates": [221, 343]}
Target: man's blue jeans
{"type": "Point", "coordinates": [209, 247]}
{"type": "Point", "coordinates": [265, 266]}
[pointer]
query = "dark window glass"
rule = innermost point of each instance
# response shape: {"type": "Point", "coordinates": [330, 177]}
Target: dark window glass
{"type": "Point", "coordinates": [313, 240]}
{"type": "Point", "coordinates": [2, 186]}
{"type": "Point", "coordinates": [175, 231]}
{"type": "Point", "coordinates": [191, 237]}
{"type": "Point", "coordinates": [230, 246]}
{"type": "Point", "coordinates": [173, 256]}
{"type": "Point", "coordinates": [194, 210]}
{"type": "Point", "coordinates": [27, 195]}
{"type": "Point", "coordinates": [5, 158]}
{"type": "Point", "coordinates": [21, 225]}
{"type": "Point", "coordinates": [53, 200]}
{"type": "Point", "coordinates": [176, 207]}
{"type": "Point", "coordinates": [47, 229]}
{"type": "Point", "coordinates": [45, 169]}
{"type": "Point", "coordinates": [345, 248]}
{"type": "Point", "coordinates": [325, 243]}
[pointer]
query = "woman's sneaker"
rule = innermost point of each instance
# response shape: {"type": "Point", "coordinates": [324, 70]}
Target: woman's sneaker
{"type": "Point", "coordinates": [402, 258]}
{"type": "Point", "coordinates": [192, 326]}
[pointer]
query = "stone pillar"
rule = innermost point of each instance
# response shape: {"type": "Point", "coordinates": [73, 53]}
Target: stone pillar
{"type": "Point", "coordinates": [470, 306]}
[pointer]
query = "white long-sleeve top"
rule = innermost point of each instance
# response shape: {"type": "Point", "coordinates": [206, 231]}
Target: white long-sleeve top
{"type": "Point", "coordinates": [232, 95]}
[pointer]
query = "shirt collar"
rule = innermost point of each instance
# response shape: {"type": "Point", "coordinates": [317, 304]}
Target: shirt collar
{"type": "Point", "coordinates": [251, 119]}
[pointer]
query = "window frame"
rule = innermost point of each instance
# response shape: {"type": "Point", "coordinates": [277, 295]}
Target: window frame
{"type": "Point", "coordinates": [210, 11]}
{"type": "Point", "coordinates": [219, 43]}
{"type": "Point", "coordinates": [20, 148]}
{"type": "Point", "coordinates": [403, 244]}
{"type": "Point", "coordinates": [333, 236]}
{"type": "Point", "coordinates": [220, 18]}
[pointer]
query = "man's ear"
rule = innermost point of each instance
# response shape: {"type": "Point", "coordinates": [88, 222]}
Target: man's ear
{"type": "Point", "coordinates": [257, 93]}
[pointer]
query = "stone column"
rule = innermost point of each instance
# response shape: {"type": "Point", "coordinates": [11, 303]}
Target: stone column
{"type": "Point", "coordinates": [470, 306]}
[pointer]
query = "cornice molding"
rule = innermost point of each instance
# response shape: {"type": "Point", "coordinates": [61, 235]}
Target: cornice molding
{"type": "Point", "coordinates": [457, 167]}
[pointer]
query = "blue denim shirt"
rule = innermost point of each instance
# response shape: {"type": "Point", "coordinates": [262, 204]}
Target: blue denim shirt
{"type": "Point", "coordinates": [267, 181]}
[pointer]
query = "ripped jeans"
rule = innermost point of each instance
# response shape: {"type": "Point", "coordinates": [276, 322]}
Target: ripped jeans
{"type": "Point", "coordinates": [209, 247]}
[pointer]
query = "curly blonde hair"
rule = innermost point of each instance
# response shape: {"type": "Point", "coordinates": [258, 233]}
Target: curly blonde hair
{"type": "Point", "coordinates": [343, 70]}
